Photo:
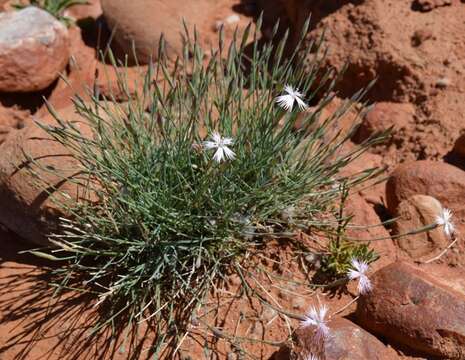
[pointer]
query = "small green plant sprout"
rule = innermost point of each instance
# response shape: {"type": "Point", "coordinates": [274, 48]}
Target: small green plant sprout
{"type": "Point", "coordinates": [338, 259]}
{"type": "Point", "coordinates": [195, 171]}
{"type": "Point", "coordinates": [54, 7]}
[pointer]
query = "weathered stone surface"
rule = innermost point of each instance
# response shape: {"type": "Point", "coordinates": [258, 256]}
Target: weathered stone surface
{"type": "Point", "coordinates": [444, 182]}
{"type": "Point", "coordinates": [90, 9]}
{"type": "Point", "coordinates": [411, 307]}
{"type": "Point", "coordinates": [363, 215]}
{"type": "Point", "coordinates": [138, 24]}
{"type": "Point", "coordinates": [384, 116]}
{"type": "Point", "coordinates": [346, 342]}
{"type": "Point", "coordinates": [80, 74]}
{"type": "Point", "coordinates": [34, 50]}
{"type": "Point", "coordinates": [415, 213]}
{"type": "Point", "coordinates": [12, 119]}
{"type": "Point", "coordinates": [440, 180]}
{"type": "Point", "coordinates": [119, 85]}
{"type": "Point", "coordinates": [27, 208]}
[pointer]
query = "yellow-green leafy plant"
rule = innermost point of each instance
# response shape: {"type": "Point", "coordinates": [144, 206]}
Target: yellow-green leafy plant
{"type": "Point", "coordinates": [54, 7]}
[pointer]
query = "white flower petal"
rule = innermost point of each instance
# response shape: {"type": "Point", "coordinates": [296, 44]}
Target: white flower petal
{"type": "Point", "coordinates": [364, 285]}
{"type": "Point", "coordinates": [216, 137]}
{"type": "Point", "coordinates": [311, 357]}
{"type": "Point", "coordinates": [297, 94]}
{"type": "Point", "coordinates": [316, 318]}
{"type": "Point", "coordinates": [210, 145]}
{"type": "Point", "coordinates": [360, 266]}
{"type": "Point", "coordinates": [353, 274]}
{"type": "Point", "coordinates": [289, 89]}
{"type": "Point", "coordinates": [358, 271]}
{"type": "Point", "coordinates": [229, 153]}
{"type": "Point", "coordinates": [291, 96]}
{"type": "Point", "coordinates": [286, 102]}
{"type": "Point", "coordinates": [322, 313]}
{"type": "Point", "coordinates": [321, 333]}
{"type": "Point", "coordinates": [445, 220]}
{"type": "Point", "coordinates": [302, 105]}
{"type": "Point", "coordinates": [219, 155]}
{"type": "Point", "coordinates": [228, 141]}
{"type": "Point", "coordinates": [220, 144]}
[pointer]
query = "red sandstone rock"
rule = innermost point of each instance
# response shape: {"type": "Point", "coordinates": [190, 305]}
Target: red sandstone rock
{"type": "Point", "coordinates": [440, 180]}
{"type": "Point", "coordinates": [27, 208]}
{"type": "Point", "coordinates": [346, 342]}
{"type": "Point", "coordinates": [33, 50]}
{"type": "Point", "coordinates": [80, 76]}
{"type": "Point", "coordinates": [120, 84]}
{"type": "Point", "coordinates": [12, 119]}
{"type": "Point", "coordinates": [90, 9]}
{"type": "Point", "coordinates": [138, 24]}
{"type": "Point", "coordinates": [363, 214]}
{"type": "Point", "coordinates": [383, 116]}
{"type": "Point", "coordinates": [415, 213]}
{"type": "Point", "coordinates": [413, 308]}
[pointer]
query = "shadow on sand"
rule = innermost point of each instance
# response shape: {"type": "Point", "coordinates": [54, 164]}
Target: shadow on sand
{"type": "Point", "coordinates": [38, 323]}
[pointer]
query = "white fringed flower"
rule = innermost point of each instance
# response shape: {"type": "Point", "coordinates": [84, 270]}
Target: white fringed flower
{"type": "Point", "coordinates": [292, 95]}
{"type": "Point", "coordinates": [358, 271]}
{"type": "Point", "coordinates": [445, 220]}
{"type": "Point", "coordinates": [316, 317]}
{"type": "Point", "coordinates": [311, 357]}
{"type": "Point", "coordinates": [221, 145]}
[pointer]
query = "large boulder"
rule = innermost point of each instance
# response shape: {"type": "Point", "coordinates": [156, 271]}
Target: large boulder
{"type": "Point", "coordinates": [347, 341]}
{"type": "Point", "coordinates": [412, 307]}
{"type": "Point", "coordinates": [415, 213]}
{"type": "Point", "coordinates": [440, 180]}
{"type": "Point", "coordinates": [383, 116]}
{"type": "Point", "coordinates": [34, 49]}
{"type": "Point", "coordinates": [29, 202]}
{"type": "Point", "coordinates": [137, 25]}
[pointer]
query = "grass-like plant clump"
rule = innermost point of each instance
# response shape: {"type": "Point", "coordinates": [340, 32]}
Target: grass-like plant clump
{"type": "Point", "coordinates": [203, 165]}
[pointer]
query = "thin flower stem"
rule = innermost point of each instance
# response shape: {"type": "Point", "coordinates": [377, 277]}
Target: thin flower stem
{"type": "Point", "coordinates": [235, 339]}
{"type": "Point", "coordinates": [412, 232]}
{"type": "Point", "coordinates": [345, 306]}
{"type": "Point", "coordinates": [180, 343]}
{"type": "Point", "coordinates": [265, 301]}
{"type": "Point", "coordinates": [355, 226]}
{"type": "Point", "coordinates": [442, 252]}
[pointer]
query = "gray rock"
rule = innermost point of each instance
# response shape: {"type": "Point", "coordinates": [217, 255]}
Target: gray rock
{"type": "Point", "coordinates": [34, 49]}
